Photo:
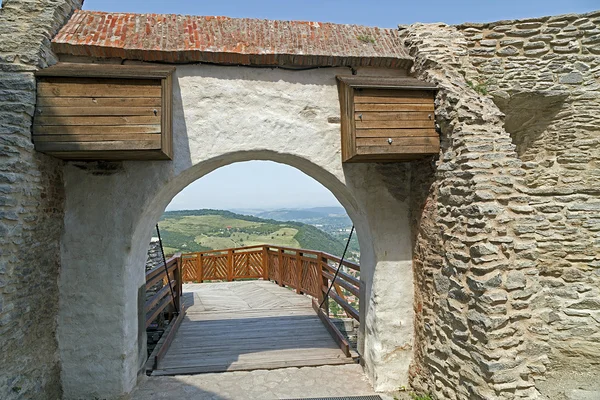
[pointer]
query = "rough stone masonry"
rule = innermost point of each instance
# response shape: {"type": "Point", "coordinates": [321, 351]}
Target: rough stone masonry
{"type": "Point", "coordinates": [31, 207]}
{"type": "Point", "coordinates": [507, 249]}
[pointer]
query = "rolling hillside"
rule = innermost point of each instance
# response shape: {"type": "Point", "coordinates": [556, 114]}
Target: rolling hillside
{"type": "Point", "coordinates": [198, 230]}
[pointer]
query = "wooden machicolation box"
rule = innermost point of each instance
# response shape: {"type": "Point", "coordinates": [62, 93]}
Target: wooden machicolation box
{"type": "Point", "coordinates": [387, 119]}
{"type": "Point", "coordinates": [104, 112]}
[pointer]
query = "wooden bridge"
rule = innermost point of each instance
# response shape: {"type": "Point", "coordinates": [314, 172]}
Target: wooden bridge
{"type": "Point", "coordinates": [233, 317]}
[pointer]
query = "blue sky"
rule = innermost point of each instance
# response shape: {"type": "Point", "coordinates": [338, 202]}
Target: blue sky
{"type": "Point", "coordinates": [384, 13]}
{"type": "Point", "coordinates": [243, 185]}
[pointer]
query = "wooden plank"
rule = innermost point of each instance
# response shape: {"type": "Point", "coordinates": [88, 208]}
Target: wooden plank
{"type": "Point", "coordinates": [265, 263]}
{"type": "Point", "coordinates": [340, 281]}
{"type": "Point", "coordinates": [298, 258]}
{"type": "Point", "coordinates": [90, 111]}
{"type": "Point", "coordinates": [391, 100]}
{"type": "Point", "coordinates": [332, 329]}
{"type": "Point", "coordinates": [93, 138]}
{"type": "Point", "coordinates": [112, 155]}
{"type": "Point", "coordinates": [393, 124]}
{"type": "Point", "coordinates": [230, 265]}
{"type": "Point", "coordinates": [98, 146]}
{"type": "Point", "coordinates": [151, 315]}
{"type": "Point", "coordinates": [396, 93]}
{"type": "Point", "coordinates": [337, 260]}
{"type": "Point", "coordinates": [407, 132]}
{"type": "Point", "coordinates": [348, 127]}
{"type": "Point", "coordinates": [158, 296]}
{"type": "Point", "coordinates": [424, 149]}
{"type": "Point", "coordinates": [345, 305]}
{"type": "Point", "coordinates": [159, 271]}
{"type": "Point", "coordinates": [378, 82]}
{"type": "Point", "coordinates": [393, 116]}
{"type": "Point", "coordinates": [99, 102]}
{"type": "Point", "coordinates": [167, 117]}
{"type": "Point", "coordinates": [98, 88]}
{"type": "Point", "coordinates": [398, 141]}
{"type": "Point", "coordinates": [98, 120]}
{"type": "Point", "coordinates": [94, 129]}
{"type": "Point", "coordinates": [342, 274]}
{"type": "Point", "coordinates": [255, 332]}
{"type": "Point", "coordinates": [135, 71]}
{"type": "Point", "coordinates": [169, 336]}
{"type": "Point", "coordinates": [394, 107]}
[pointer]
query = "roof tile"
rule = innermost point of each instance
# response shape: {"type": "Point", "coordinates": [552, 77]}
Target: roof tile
{"type": "Point", "coordinates": [184, 39]}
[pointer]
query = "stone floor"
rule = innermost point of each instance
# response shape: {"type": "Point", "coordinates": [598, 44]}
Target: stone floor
{"type": "Point", "coordinates": [287, 383]}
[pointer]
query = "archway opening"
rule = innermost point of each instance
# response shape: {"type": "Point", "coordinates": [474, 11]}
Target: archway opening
{"type": "Point", "coordinates": [249, 238]}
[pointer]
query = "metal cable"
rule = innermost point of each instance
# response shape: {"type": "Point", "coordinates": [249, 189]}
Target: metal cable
{"type": "Point", "coordinates": [338, 269]}
{"type": "Point", "coordinates": [167, 270]}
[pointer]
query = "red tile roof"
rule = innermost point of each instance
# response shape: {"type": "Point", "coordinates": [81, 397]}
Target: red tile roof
{"type": "Point", "coordinates": [184, 38]}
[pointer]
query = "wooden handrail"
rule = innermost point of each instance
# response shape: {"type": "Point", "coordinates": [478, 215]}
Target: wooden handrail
{"type": "Point", "coordinates": [346, 263]}
{"type": "Point", "coordinates": [306, 271]}
{"type": "Point", "coordinates": [161, 268]}
{"type": "Point", "coordinates": [172, 280]}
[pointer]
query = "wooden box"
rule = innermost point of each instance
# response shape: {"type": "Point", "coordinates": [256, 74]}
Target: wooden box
{"type": "Point", "coordinates": [387, 119]}
{"type": "Point", "coordinates": [104, 112]}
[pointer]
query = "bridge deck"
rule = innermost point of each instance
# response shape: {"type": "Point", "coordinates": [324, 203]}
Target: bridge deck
{"type": "Point", "coordinates": [249, 325]}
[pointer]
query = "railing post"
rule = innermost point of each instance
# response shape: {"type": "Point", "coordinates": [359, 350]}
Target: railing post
{"type": "Point", "coordinates": [298, 272]}
{"type": "Point", "coordinates": [229, 265]}
{"type": "Point", "coordinates": [179, 280]}
{"type": "Point", "coordinates": [265, 263]}
{"type": "Point", "coordinates": [280, 266]}
{"type": "Point", "coordinates": [200, 269]}
{"type": "Point", "coordinates": [324, 283]}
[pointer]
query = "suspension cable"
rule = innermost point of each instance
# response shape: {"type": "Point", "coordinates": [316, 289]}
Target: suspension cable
{"type": "Point", "coordinates": [162, 251]}
{"type": "Point", "coordinates": [339, 267]}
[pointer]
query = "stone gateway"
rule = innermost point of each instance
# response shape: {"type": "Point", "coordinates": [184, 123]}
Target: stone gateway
{"type": "Point", "coordinates": [480, 264]}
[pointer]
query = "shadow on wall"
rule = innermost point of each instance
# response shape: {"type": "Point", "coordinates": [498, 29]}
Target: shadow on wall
{"type": "Point", "coordinates": [528, 115]}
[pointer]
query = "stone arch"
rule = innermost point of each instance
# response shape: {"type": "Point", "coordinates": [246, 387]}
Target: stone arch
{"type": "Point", "coordinates": [156, 205]}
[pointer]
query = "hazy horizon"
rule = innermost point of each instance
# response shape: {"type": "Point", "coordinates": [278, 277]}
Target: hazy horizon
{"type": "Point", "coordinates": [254, 185]}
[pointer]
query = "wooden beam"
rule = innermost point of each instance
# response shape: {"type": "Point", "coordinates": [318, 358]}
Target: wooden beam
{"type": "Point", "coordinates": [344, 275]}
{"type": "Point", "coordinates": [340, 281]}
{"type": "Point", "coordinates": [335, 333]}
{"type": "Point", "coordinates": [107, 71]}
{"type": "Point", "coordinates": [345, 305]}
{"type": "Point", "coordinates": [164, 342]}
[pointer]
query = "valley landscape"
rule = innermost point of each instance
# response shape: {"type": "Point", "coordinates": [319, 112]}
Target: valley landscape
{"type": "Point", "coordinates": [324, 229]}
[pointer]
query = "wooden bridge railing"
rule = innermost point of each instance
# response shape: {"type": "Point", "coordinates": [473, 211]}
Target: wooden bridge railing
{"type": "Point", "coordinates": [161, 300]}
{"type": "Point", "coordinates": [163, 297]}
{"type": "Point", "coordinates": [306, 271]}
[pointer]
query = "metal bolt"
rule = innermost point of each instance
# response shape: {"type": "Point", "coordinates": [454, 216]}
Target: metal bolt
{"type": "Point", "coordinates": [429, 116]}
{"type": "Point", "coordinates": [155, 112]}
{"type": "Point", "coordinates": [360, 116]}
{"type": "Point", "coordinates": [390, 141]}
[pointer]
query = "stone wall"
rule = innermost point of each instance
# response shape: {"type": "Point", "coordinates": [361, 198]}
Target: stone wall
{"type": "Point", "coordinates": [31, 207]}
{"type": "Point", "coordinates": [544, 74]}
{"type": "Point", "coordinates": [506, 240]}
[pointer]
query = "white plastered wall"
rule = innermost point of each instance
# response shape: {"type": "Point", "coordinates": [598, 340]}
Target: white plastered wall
{"type": "Point", "coordinates": [224, 115]}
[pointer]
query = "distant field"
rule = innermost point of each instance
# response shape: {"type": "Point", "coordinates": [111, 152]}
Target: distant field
{"type": "Point", "coordinates": [200, 230]}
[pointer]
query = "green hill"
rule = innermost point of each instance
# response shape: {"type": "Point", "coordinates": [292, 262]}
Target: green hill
{"type": "Point", "coordinates": [199, 230]}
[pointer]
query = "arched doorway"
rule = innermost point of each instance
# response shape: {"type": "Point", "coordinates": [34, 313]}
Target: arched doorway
{"type": "Point", "coordinates": [224, 115]}
{"type": "Point", "coordinates": [252, 275]}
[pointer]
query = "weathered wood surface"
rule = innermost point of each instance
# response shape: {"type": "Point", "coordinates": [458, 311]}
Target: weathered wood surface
{"type": "Point", "coordinates": [235, 326]}
{"type": "Point", "coordinates": [109, 112]}
{"type": "Point", "coordinates": [387, 119]}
